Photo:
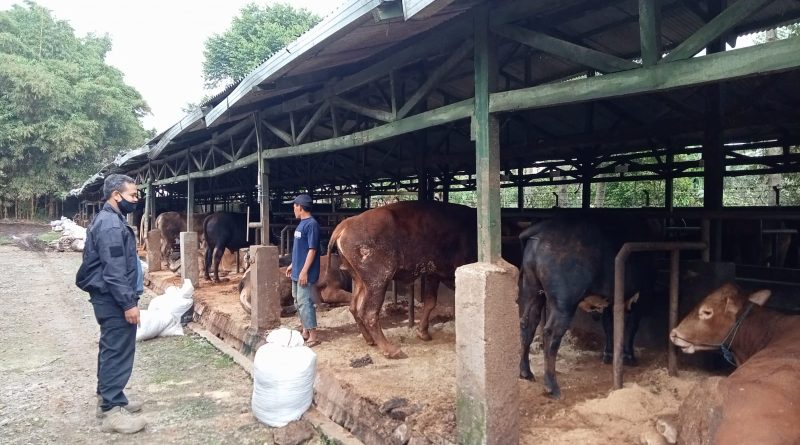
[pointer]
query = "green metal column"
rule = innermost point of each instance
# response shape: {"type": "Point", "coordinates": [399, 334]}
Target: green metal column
{"type": "Point", "coordinates": [486, 133]}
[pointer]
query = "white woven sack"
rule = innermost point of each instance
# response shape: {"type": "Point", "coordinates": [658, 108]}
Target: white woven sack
{"type": "Point", "coordinates": [283, 383]}
{"type": "Point", "coordinates": [286, 337]}
{"type": "Point", "coordinates": [174, 300]}
{"type": "Point", "coordinates": [152, 324]}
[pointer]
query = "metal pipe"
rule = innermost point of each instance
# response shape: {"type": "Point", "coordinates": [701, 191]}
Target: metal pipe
{"type": "Point", "coordinates": [619, 291]}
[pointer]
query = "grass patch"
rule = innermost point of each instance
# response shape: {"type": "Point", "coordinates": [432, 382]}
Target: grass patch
{"type": "Point", "coordinates": [48, 237]}
{"type": "Point", "coordinates": [196, 408]}
{"type": "Point", "coordinates": [5, 241]}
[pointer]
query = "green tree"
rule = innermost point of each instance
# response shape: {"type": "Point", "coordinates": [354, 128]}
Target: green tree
{"type": "Point", "coordinates": [63, 111]}
{"type": "Point", "coordinates": [254, 35]}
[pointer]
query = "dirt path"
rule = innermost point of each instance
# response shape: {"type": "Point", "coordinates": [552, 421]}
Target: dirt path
{"type": "Point", "coordinates": [48, 353]}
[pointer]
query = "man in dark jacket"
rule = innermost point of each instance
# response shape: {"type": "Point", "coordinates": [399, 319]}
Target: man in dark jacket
{"type": "Point", "coordinates": [111, 274]}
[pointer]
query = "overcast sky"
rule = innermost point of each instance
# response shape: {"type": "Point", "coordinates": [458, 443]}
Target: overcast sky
{"type": "Point", "coordinates": [159, 44]}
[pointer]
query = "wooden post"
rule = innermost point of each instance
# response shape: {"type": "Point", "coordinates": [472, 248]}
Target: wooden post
{"type": "Point", "coordinates": [190, 206]}
{"type": "Point", "coordinates": [487, 143]}
{"type": "Point", "coordinates": [650, 31]}
{"type": "Point", "coordinates": [148, 207]}
{"type": "Point", "coordinates": [263, 184]}
{"type": "Point", "coordinates": [669, 181]}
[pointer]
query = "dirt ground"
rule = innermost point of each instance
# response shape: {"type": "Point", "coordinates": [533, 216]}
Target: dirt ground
{"type": "Point", "coordinates": [589, 413]}
{"type": "Point", "coordinates": [48, 349]}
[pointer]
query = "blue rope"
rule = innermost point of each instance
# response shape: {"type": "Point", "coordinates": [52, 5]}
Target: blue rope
{"type": "Point", "coordinates": [727, 353]}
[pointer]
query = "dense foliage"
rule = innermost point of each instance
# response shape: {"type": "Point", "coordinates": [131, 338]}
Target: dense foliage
{"type": "Point", "coordinates": [254, 35]}
{"type": "Point", "coordinates": [63, 111]}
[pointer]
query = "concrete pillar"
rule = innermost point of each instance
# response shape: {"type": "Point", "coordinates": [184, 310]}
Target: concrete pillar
{"type": "Point", "coordinates": [154, 250]}
{"type": "Point", "coordinates": [265, 301]}
{"type": "Point", "coordinates": [189, 266]}
{"type": "Point", "coordinates": [487, 354]}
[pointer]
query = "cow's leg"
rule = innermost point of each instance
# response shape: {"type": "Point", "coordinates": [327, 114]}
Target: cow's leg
{"type": "Point", "coordinates": [218, 252]}
{"type": "Point", "coordinates": [429, 302]}
{"type": "Point", "coordinates": [207, 265]}
{"type": "Point", "coordinates": [531, 301]}
{"type": "Point", "coordinates": [355, 303]}
{"type": "Point", "coordinates": [370, 310]}
{"type": "Point", "coordinates": [632, 318]}
{"type": "Point", "coordinates": [558, 321]}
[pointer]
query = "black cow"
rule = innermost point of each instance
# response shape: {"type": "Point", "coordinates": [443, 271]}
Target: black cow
{"type": "Point", "coordinates": [570, 263]}
{"type": "Point", "coordinates": [222, 231]}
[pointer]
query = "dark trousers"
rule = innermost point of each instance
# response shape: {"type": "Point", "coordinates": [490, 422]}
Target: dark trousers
{"type": "Point", "coordinates": [117, 347]}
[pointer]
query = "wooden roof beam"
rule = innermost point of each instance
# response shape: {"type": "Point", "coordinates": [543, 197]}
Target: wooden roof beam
{"type": "Point", "coordinates": [591, 58]}
{"type": "Point", "coordinates": [712, 30]}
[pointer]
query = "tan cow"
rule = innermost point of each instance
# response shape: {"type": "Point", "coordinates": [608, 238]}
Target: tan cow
{"type": "Point", "coordinates": [759, 403]}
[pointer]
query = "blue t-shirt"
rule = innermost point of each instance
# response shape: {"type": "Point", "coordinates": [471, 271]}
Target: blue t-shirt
{"type": "Point", "coordinates": [306, 237]}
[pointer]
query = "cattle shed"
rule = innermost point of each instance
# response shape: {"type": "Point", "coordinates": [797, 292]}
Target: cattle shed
{"type": "Point", "coordinates": [434, 98]}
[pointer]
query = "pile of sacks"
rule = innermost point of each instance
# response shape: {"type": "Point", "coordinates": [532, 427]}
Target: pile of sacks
{"type": "Point", "coordinates": [162, 318]}
{"type": "Point", "coordinates": [283, 378]}
{"type": "Point", "coordinates": [73, 236]}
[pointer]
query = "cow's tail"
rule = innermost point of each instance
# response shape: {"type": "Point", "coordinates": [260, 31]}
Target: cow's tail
{"type": "Point", "coordinates": [337, 232]}
{"type": "Point", "coordinates": [527, 234]}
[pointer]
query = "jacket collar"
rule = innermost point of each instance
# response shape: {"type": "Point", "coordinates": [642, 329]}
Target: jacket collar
{"type": "Point", "coordinates": [109, 208]}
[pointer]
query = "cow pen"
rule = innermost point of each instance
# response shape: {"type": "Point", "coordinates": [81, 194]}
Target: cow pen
{"type": "Point", "coordinates": [524, 110]}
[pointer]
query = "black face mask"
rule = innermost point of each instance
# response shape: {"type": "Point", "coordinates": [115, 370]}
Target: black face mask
{"type": "Point", "coordinates": [126, 206]}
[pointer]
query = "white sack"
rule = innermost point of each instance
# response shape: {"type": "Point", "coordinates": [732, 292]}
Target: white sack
{"type": "Point", "coordinates": [154, 323]}
{"type": "Point", "coordinates": [286, 337]}
{"type": "Point", "coordinates": [283, 383]}
{"type": "Point", "coordinates": [174, 300]}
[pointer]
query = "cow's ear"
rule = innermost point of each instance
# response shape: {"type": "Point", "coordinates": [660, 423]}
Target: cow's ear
{"type": "Point", "coordinates": [760, 297]}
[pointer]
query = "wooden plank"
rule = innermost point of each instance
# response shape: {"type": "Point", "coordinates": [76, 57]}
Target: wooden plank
{"type": "Point", "coordinates": [435, 77]}
{"type": "Point", "coordinates": [245, 143]}
{"type": "Point", "coordinates": [650, 31]}
{"type": "Point", "coordinates": [439, 116]}
{"type": "Point", "coordinates": [712, 30]}
{"type": "Point", "coordinates": [284, 136]}
{"type": "Point", "coordinates": [487, 142]}
{"type": "Point", "coordinates": [582, 55]}
{"type": "Point", "coordinates": [373, 113]}
{"type": "Point", "coordinates": [761, 59]}
{"type": "Point", "coordinates": [312, 122]}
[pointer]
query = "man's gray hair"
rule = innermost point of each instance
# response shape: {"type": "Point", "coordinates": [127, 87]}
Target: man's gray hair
{"type": "Point", "coordinates": [115, 183]}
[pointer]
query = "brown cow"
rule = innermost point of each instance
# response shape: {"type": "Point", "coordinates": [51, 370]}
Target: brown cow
{"type": "Point", "coordinates": [171, 224]}
{"type": "Point", "coordinates": [401, 241]}
{"type": "Point", "coordinates": [759, 403]}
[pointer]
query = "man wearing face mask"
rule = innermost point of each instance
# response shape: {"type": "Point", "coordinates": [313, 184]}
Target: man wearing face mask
{"type": "Point", "coordinates": [111, 273]}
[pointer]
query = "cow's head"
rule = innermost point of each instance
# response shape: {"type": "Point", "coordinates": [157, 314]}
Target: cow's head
{"type": "Point", "coordinates": [707, 325]}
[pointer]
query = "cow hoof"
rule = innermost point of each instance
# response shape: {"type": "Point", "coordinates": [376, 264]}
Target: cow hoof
{"type": "Point", "coordinates": [551, 388]}
{"type": "Point", "coordinates": [424, 336]}
{"type": "Point", "coordinates": [527, 375]}
{"type": "Point", "coordinates": [629, 360]}
{"type": "Point", "coordinates": [396, 355]}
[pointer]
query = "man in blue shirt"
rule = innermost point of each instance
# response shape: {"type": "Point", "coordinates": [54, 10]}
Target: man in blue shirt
{"type": "Point", "coordinates": [111, 274]}
{"type": "Point", "coordinates": [304, 270]}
